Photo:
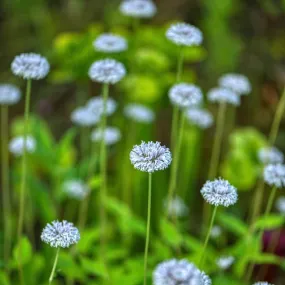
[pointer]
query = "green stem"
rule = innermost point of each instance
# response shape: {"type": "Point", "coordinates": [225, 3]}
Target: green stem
{"type": "Point", "coordinates": [270, 201]}
{"type": "Point", "coordinates": [208, 236]}
{"type": "Point", "coordinates": [54, 266]}
{"type": "Point", "coordinates": [180, 64]}
{"type": "Point", "coordinates": [147, 229]}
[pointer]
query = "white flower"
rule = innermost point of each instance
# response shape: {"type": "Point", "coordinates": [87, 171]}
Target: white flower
{"type": "Point", "coordinates": [83, 116]}
{"type": "Point", "coordinates": [111, 135]}
{"type": "Point", "coordinates": [224, 262]}
{"type": "Point", "coordinates": [17, 145]}
{"type": "Point", "coordinates": [185, 95]}
{"type": "Point", "coordinates": [76, 189]}
{"type": "Point", "coordinates": [200, 118]}
{"type": "Point", "coordinates": [280, 204]}
{"type": "Point", "coordinates": [216, 231]}
{"type": "Point", "coordinates": [107, 71]}
{"type": "Point", "coordinates": [139, 113]}
{"type": "Point", "coordinates": [9, 94]}
{"type": "Point", "coordinates": [96, 105]}
{"type": "Point", "coordinates": [262, 283]}
{"type": "Point", "coordinates": [150, 157]}
{"type": "Point", "coordinates": [274, 175]}
{"type": "Point", "coordinates": [236, 82]}
{"type": "Point", "coordinates": [179, 272]}
{"type": "Point", "coordinates": [138, 8]}
{"type": "Point", "coordinates": [110, 43]}
{"type": "Point", "coordinates": [184, 34]}
{"type": "Point", "coordinates": [224, 95]}
{"type": "Point", "coordinates": [30, 66]}
{"type": "Point", "coordinates": [176, 208]}
{"type": "Point", "coordinates": [219, 193]}
{"type": "Point", "coordinates": [60, 234]}
{"type": "Point", "coordinates": [270, 155]}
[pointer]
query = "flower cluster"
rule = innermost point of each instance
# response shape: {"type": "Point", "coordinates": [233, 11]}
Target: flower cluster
{"type": "Point", "coordinates": [236, 82]}
{"type": "Point", "coordinates": [216, 231]}
{"type": "Point", "coordinates": [138, 8]}
{"type": "Point", "coordinates": [270, 155]}
{"type": "Point", "coordinates": [110, 43]}
{"type": "Point", "coordinates": [262, 283]}
{"type": "Point", "coordinates": [200, 118]}
{"type": "Point", "coordinates": [18, 144]}
{"type": "Point", "coordinates": [83, 116]}
{"type": "Point", "coordinates": [9, 94]}
{"type": "Point", "coordinates": [280, 204]}
{"type": "Point", "coordinates": [139, 113]}
{"type": "Point", "coordinates": [96, 105]}
{"type": "Point", "coordinates": [176, 207]}
{"type": "Point", "coordinates": [111, 135]}
{"type": "Point", "coordinates": [76, 189]}
{"type": "Point", "coordinates": [224, 262]}
{"type": "Point", "coordinates": [274, 175]}
{"type": "Point", "coordinates": [223, 95]}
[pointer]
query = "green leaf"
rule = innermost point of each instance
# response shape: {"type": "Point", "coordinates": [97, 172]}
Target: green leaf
{"type": "Point", "coordinates": [265, 258]}
{"type": "Point", "coordinates": [95, 182]}
{"type": "Point", "coordinates": [94, 267]}
{"type": "Point", "coordinates": [272, 221]}
{"type": "Point", "coordinates": [4, 278]}
{"type": "Point", "coordinates": [22, 252]}
{"type": "Point", "coordinates": [88, 238]}
{"type": "Point", "coordinates": [232, 224]}
{"type": "Point", "coordinates": [170, 233]}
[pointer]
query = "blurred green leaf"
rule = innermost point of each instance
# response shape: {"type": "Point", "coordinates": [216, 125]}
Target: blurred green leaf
{"type": "Point", "coordinates": [23, 251]}
{"type": "Point", "coordinates": [269, 222]}
{"type": "Point", "coordinates": [232, 224]}
{"type": "Point", "coordinates": [170, 234]}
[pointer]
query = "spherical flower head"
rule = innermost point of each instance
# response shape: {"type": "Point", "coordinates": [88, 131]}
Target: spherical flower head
{"type": "Point", "coordinates": [96, 106]}
{"type": "Point", "coordinates": [236, 82]}
{"type": "Point", "coordinates": [9, 94]}
{"type": "Point", "coordinates": [224, 95]}
{"type": "Point", "coordinates": [139, 113]}
{"type": "Point", "coordinates": [216, 231]}
{"type": "Point", "coordinates": [179, 272]}
{"type": "Point", "coordinates": [60, 234]}
{"type": "Point", "coordinates": [270, 155]}
{"type": "Point", "coordinates": [111, 135]}
{"type": "Point", "coordinates": [262, 283]}
{"type": "Point", "coordinates": [18, 144]}
{"type": "Point", "coordinates": [84, 117]}
{"type": "Point", "coordinates": [107, 71]}
{"type": "Point", "coordinates": [183, 34]}
{"type": "Point", "coordinates": [219, 193]}
{"type": "Point", "coordinates": [280, 205]}
{"type": "Point", "coordinates": [150, 157]}
{"type": "Point", "coordinates": [201, 118]}
{"type": "Point", "coordinates": [274, 175]}
{"type": "Point", "coordinates": [185, 95]}
{"type": "Point", "coordinates": [76, 189]}
{"type": "Point", "coordinates": [224, 262]}
{"type": "Point", "coordinates": [30, 66]}
{"type": "Point", "coordinates": [176, 207]}
{"type": "Point", "coordinates": [138, 8]}
{"type": "Point", "coordinates": [110, 43]}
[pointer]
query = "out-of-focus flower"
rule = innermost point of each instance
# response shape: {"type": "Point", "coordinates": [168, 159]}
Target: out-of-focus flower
{"type": "Point", "coordinates": [200, 118]}
{"type": "Point", "coordinates": [262, 283]}
{"type": "Point", "coordinates": [176, 208]}
{"type": "Point", "coordinates": [76, 189]}
{"type": "Point", "coordinates": [236, 82]}
{"type": "Point", "coordinates": [224, 262]}
{"type": "Point", "coordinates": [150, 157]}
{"type": "Point", "coordinates": [9, 94]}
{"type": "Point", "coordinates": [216, 231]}
{"type": "Point", "coordinates": [223, 95]}
{"type": "Point", "coordinates": [96, 105]}
{"type": "Point", "coordinates": [138, 8]}
{"type": "Point", "coordinates": [184, 34]}
{"type": "Point", "coordinates": [274, 175]}
{"type": "Point", "coordinates": [30, 66]}
{"type": "Point", "coordinates": [17, 145]}
{"type": "Point", "coordinates": [139, 113]}
{"type": "Point", "coordinates": [84, 117]}
{"type": "Point", "coordinates": [111, 135]}
{"type": "Point", "coordinates": [110, 43]}
{"type": "Point", "coordinates": [280, 204]}
{"type": "Point", "coordinates": [270, 155]}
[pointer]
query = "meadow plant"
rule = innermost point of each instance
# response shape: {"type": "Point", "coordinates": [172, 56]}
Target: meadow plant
{"type": "Point", "coordinates": [110, 43]}
{"type": "Point", "coordinates": [238, 83]}
{"type": "Point", "coordinates": [200, 118]}
{"type": "Point", "coordinates": [225, 262]}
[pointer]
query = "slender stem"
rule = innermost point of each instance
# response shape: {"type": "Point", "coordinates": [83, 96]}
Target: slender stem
{"type": "Point", "coordinates": [5, 183]}
{"type": "Point", "coordinates": [147, 228]}
{"type": "Point", "coordinates": [208, 236]}
{"type": "Point", "coordinates": [180, 64]}
{"type": "Point", "coordinates": [54, 266]}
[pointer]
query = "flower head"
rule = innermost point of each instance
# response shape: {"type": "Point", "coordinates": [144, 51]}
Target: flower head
{"type": "Point", "coordinates": [30, 66]}
{"type": "Point", "coordinates": [150, 157]}
{"type": "Point", "coordinates": [184, 34]}
{"type": "Point", "coordinates": [216, 231]}
{"type": "Point", "coordinates": [274, 175]}
{"type": "Point", "coordinates": [262, 283]}
{"type": "Point", "coordinates": [17, 145]}
{"type": "Point", "coordinates": [139, 113]}
{"type": "Point", "coordinates": [185, 95]}
{"type": "Point", "coordinates": [60, 234]}
{"type": "Point", "coordinates": [9, 94]}
{"type": "Point", "coordinates": [223, 95]}
{"type": "Point", "coordinates": [84, 117]}
{"type": "Point", "coordinates": [270, 155]}
{"type": "Point", "coordinates": [200, 118]}
{"type": "Point", "coordinates": [236, 82]}
{"type": "Point", "coordinates": [96, 105]}
{"type": "Point", "coordinates": [219, 193]}
{"type": "Point", "coordinates": [176, 208]}
{"type": "Point", "coordinates": [224, 262]}
{"type": "Point", "coordinates": [280, 204]}
{"type": "Point", "coordinates": [111, 135]}
{"type": "Point", "coordinates": [138, 8]}
{"type": "Point", "coordinates": [179, 272]}
{"type": "Point", "coordinates": [107, 71]}
{"type": "Point", "coordinates": [76, 189]}
{"type": "Point", "coordinates": [110, 43]}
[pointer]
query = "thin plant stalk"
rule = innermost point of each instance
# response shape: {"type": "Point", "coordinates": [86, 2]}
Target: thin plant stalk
{"type": "Point", "coordinates": [54, 265]}
{"type": "Point", "coordinates": [5, 183]}
{"type": "Point", "coordinates": [147, 227]}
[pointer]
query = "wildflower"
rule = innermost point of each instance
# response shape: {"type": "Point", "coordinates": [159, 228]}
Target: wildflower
{"type": "Point", "coordinates": [139, 113]}
{"type": "Point", "coordinates": [30, 66]}
{"type": "Point", "coordinates": [200, 118]}
{"type": "Point", "coordinates": [236, 82]}
{"type": "Point", "coordinates": [84, 117]}
{"type": "Point", "coordinates": [110, 43]}
{"type": "Point", "coordinates": [138, 8]}
{"type": "Point", "coordinates": [107, 71]}
{"type": "Point", "coordinates": [176, 208]}
{"type": "Point", "coordinates": [185, 95]}
{"type": "Point", "coordinates": [60, 234]}
{"type": "Point", "coordinates": [224, 262]}
{"type": "Point", "coordinates": [184, 34]}
{"type": "Point", "coordinates": [150, 157]}
{"type": "Point", "coordinates": [219, 193]}
{"type": "Point", "coordinates": [9, 94]}
{"type": "Point", "coordinates": [179, 272]}
{"type": "Point", "coordinates": [274, 175]}
{"type": "Point", "coordinates": [223, 95]}
{"type": "Point", "coordinates": [270, 155]}
{"type": "Point", "coordinates": [96, 105]}
{"type": "Point", "coordinates": [111, 135]}
{"type": "Point", "coordinates": [216, 231]}
{"type": "Point", "coordinates": [280, 204]}
{"type": "Point", "coordinates": [262, 283]}
{"type": "Point", "coordinates": [17, 145]}
{"type": "Point", "coordinates": [76, 189]}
